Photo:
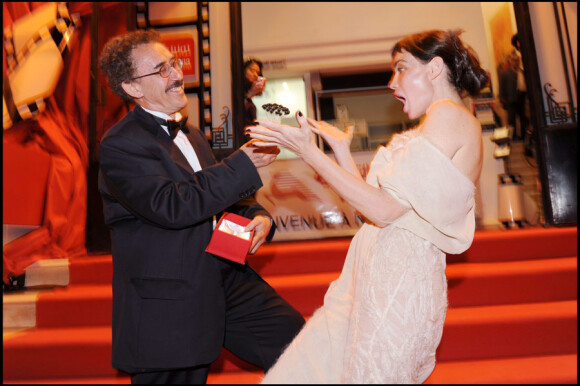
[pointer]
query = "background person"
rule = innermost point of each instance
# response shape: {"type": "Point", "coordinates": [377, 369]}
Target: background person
{"type": "Point", "coordinates": [254, 84]}
{"type": "Point", "coordinates": [512, 95]}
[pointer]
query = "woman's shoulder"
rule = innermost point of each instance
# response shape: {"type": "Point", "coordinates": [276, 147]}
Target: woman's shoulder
{"type": "Point", "coordinates": [457, 133]}
{"type": "Point", "coordinates": [450, 126]}
{"type": "Point", "coordinates": [449, 118]}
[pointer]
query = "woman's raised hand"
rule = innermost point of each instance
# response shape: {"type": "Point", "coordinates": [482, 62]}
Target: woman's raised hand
{"type": "Point", "coordinates": [297, 139]}
{"type": "Point", "coordinates": [333, 136]}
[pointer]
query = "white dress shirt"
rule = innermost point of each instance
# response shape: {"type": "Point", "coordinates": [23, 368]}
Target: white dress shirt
{"type": "Point", "coordinates": [180, 140]}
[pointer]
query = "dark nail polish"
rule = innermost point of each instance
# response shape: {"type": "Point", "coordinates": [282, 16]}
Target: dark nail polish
{"type": "Point", "coordinates": [256, 123]}
{"type": "Point", "coordinates": [300, 113]}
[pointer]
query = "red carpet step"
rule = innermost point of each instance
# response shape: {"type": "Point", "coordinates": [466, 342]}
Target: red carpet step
{"type": "Point", "coordinates": [310, 256]}
{"type": "Point", "coordinates": [520, 244]}
{"type": "Point", "coordinates": [550, 369]}
{"type": "Point", "coordinates": [509, 330]}
{"type": "Point", "coordinates": [510, 282]}
{"type": "Point", "coordinates": [512, 315]}
{"type": "Point", "coordinates": [469, 333]}
{"type": "Point", "coordinates": [560, 369]}
{"type": "Point", "coordinates": [469, 284]}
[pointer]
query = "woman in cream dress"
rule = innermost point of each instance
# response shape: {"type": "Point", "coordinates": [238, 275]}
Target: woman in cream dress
{"type": "Point", "coordinates": [382, 319]}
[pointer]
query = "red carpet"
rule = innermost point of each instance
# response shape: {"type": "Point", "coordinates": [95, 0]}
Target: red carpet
{"type": "Point", "coordinates": [512, 315]}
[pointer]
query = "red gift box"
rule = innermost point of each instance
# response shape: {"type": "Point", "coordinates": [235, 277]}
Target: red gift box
{"type": "Point", "coordinates": [229, 239]}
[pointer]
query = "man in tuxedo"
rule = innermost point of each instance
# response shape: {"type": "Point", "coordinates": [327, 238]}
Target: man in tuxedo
{"type": "Point", "coordinates": [174, 305]}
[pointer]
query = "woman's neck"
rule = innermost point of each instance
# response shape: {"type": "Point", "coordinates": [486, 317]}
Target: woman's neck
{"type": "Point", "coordinates": [447, 92]}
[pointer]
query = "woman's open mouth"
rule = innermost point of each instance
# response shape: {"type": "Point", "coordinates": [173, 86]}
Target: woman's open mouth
{"type": "Point", "coordinates": [403, 100]}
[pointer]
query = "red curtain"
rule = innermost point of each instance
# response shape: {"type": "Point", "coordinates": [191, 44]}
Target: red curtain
{"type": "Point", "coordinates": [62, 132]}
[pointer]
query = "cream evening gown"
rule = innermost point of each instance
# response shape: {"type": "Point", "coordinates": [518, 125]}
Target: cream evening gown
{"type": "Point", "coordinates": [382, 319]}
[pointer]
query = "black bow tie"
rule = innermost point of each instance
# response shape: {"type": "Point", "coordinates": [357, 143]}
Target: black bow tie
{"type": "Point", "coordinates": [173, 126]}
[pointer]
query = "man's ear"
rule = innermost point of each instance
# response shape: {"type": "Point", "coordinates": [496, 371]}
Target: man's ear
{"type": "Point", "coordinates": [436, 66]}
{"type": "Point", "coordinates": [132, 89]}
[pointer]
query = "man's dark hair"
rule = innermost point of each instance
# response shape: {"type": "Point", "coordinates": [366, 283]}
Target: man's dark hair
{"type": "Point", "coordinates": [116, 61]}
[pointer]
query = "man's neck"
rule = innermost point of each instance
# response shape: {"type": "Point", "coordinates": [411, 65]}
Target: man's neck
{"type": "Point", "coordinates": [176, 116]}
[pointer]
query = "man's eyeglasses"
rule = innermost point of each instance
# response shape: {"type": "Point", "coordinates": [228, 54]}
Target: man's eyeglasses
{"type": "Point", "coordinates": [165, 69]}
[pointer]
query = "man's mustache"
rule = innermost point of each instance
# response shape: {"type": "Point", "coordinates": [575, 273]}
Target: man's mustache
{"type": "Point", "coordinates": [177, 83]}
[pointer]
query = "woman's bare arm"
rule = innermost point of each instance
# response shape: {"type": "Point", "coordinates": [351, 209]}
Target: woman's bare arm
{"type": "Point", "coordinates": [375, 204]}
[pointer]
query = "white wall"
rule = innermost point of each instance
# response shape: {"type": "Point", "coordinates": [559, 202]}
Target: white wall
{"type": "Point", "coordinates": [332, 36]}
{"type": "Point", "coordinates": [314, 35]}
{"type": "Point", "coordinates": [221, 63]}
{"type": "Point", "coordinates": [550, 64]}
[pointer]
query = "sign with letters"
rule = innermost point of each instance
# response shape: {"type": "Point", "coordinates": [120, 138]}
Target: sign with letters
{"type": "Point", "coordinates": [303, 205]}
{"type": "Point", "coordinates": [183, 44]}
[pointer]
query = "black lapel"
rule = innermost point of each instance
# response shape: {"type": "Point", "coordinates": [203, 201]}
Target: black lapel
{"type": "Point", "coordinates": [163, 138]}
{"type": "Point", "coordinates": [202, 150]}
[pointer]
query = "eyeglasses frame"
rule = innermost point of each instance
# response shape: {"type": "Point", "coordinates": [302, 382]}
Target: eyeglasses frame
{"type": "Point", "coordinates": [171, 68]}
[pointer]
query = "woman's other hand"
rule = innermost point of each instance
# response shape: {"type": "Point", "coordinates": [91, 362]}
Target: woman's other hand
{"type": "Point", "coordinates": [333, 136]}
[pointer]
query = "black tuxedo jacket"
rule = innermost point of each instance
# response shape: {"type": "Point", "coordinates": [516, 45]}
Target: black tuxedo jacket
{"type": "Point", "coordinates": [168, 298]}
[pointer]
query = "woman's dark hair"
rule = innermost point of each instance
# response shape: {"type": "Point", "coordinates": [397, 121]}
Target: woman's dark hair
{"type": "Point", "coordinates": [247, 63]}
{"type": "Point", "coordinates": [465, 72]}
{"type": "Point", "coordinates": [116, 61]}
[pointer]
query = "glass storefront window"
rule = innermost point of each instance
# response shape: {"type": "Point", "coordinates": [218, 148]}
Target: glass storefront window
{"type": "Point", "coordinates": [374, 112]}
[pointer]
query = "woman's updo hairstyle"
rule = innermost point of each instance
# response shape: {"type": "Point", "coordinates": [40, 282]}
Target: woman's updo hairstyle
{"type": "Point", "coordinates": [465, 72]}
